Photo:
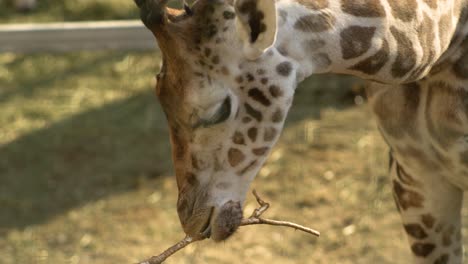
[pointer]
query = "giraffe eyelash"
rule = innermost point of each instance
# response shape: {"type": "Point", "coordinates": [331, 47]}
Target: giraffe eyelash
{"type": "Point", "coordinates": [220, 116]}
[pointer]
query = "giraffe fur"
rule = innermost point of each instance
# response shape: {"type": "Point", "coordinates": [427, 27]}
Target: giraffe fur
{"type": "Point", "coordinates": [230, 70]}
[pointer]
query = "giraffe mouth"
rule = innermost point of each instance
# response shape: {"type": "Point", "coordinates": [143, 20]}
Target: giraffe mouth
{"type": "Point", "coordinates": [224, 221]}
{"type": "Point", "coordinates": [217, 223]}
{"type": "Point", "coordinates": [206, 229]}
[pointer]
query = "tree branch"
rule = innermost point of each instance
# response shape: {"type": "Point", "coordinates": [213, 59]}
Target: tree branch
{"type": "Point", "coordinates": [254, 219]}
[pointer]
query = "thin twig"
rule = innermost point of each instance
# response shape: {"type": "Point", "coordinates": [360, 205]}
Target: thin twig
{"type": "Point", "coordinates": [170, 251]}
{"type": "Point", "coordinates": [258, 221]}
{"type": "Point", "coordinates": [254, 219]}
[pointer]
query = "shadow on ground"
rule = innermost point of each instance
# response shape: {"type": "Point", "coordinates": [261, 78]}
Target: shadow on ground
{"type": "Point", "coordinates": [84, 158]}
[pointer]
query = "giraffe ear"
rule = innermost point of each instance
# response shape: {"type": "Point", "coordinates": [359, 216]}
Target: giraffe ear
{"type": "Point", "coordinates": [256, 25]}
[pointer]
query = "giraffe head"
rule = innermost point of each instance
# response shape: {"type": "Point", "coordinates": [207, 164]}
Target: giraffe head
{"type": "Point", "coordinates": [225, 91]}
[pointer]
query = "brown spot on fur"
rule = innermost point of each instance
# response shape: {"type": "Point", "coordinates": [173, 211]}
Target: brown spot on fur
{"type": "Point", "coordinates": [257, 115]}
{"type": "Point", "coordinates": [270, 134]}
{"type": "Point", "coordinates": [367, 8]}
{"type": "Point", "coordinates": [261, 71]}
{"type": "Point", "coordinates": [250, 77]}
{"type": "Point", "coordinates": [264, 81]}
{"type": "Point", "coordinates": [207, 52]}
{"type": "Point", "coordinates": [238, 138]}
{"type": "Point", "coordinates": [191, 178]}
{"type": "Point", "coordinates": [277, 116]}
{"type": "Point", "coordinates": [239, 79]}
{"type": "Point", "coordinates": [415, 231]}
{"type": "Point", "coordinates": [407, 198]}
{"type": "Point", "coordinates": [422, 249]}
{"type": "Point", "coordinates": [260, 151]}
{"type": "Point", "coordinates": [199, 74]}
{"type": "Point", "coordinates": [275, 91]}
{"type": "Point", "coordinates": [246, 120]}
{"type": "Point", "coordinates": [458, 251]}
{"type": "Point", "coordinates": [443, 259]}
{"type": "Point", "coordinates": [258, 96]}
{"type": "Point", "coordinates": [404, 9]}
{"type": "Point", "coordinates": [446, 240]}
{"type": "Point", "coordinates": [355, 41]}
{"type": "Point", "coordinates": [284, 68]}
{"type": "Point", "coordinates": [315, 4]}
{"type": "Point", "coordinates": [224, 70]}
{"type": "Point", "coordinates": [374, 63]}
{"type": "Point", "coordinates": [235, 157]}
{"type": "Point", "coordinates": [438, 228]}
{"type": "Point", "coordinates": [428, 220]}
{"type": "Point", "coordinates": [252, 133]}
{"type": "Point", "coordinates": [215, 59]}
{"type": "Point", "coordinates": [315, 22]}
{"type": "Point", "coordinates": [406, 56]}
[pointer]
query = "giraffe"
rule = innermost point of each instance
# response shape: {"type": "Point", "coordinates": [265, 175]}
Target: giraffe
{"type": "Point", "coordinates": [230, 69]}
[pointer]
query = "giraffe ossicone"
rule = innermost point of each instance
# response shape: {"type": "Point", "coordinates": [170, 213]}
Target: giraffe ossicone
{"type": "Point", "coordinates": [230, 69]}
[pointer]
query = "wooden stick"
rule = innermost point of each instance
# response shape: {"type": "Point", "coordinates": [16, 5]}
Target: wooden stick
{"type": "Point", "coordinates": [254, 219]}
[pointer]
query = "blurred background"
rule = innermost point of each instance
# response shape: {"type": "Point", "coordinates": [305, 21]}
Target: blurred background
{"type": "Point", "coordinates": [86, 176]}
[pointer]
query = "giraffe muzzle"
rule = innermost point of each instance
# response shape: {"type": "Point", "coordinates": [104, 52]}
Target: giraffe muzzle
{"type": "Point", "coordinates": [226, 220]}
{"type": "Point", "coordinates": [217, 223]}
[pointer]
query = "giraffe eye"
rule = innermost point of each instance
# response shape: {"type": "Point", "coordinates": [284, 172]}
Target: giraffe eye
{"type": "Point", "coordinates": [220, 116]}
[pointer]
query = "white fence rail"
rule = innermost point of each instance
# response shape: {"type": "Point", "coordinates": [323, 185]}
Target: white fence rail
{"type": "Point", "coordinates": [74, 36]}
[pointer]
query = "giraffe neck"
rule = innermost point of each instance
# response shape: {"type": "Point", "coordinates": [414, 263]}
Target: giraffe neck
{"type": "Point", "coordinates": [378, 40]}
